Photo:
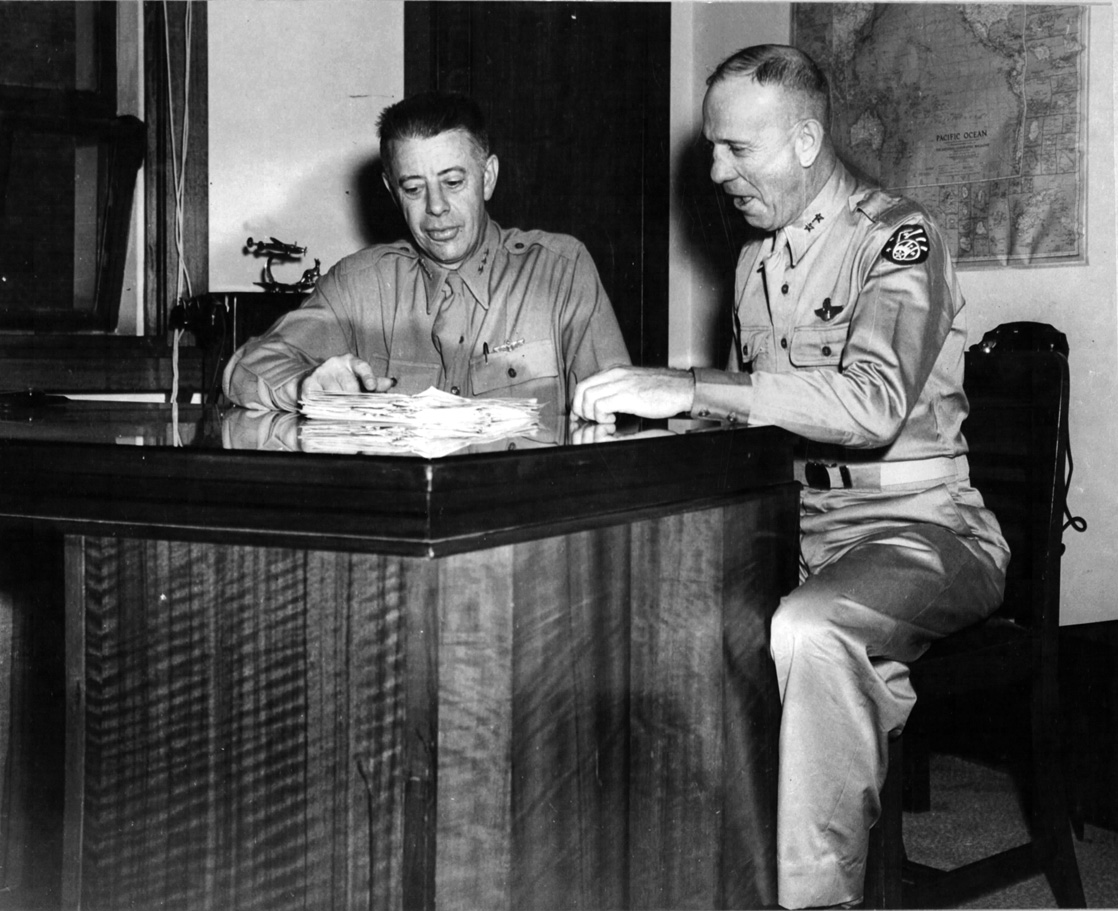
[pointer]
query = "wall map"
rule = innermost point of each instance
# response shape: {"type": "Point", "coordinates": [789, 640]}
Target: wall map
{"type": "Point", "coordinates": [977, 111]}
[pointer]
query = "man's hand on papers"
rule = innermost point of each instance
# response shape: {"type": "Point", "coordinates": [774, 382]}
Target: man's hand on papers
{"type": "Point", "coordinates": [345, 373]}
{"type": "Point", "coordinates": [648, 392]}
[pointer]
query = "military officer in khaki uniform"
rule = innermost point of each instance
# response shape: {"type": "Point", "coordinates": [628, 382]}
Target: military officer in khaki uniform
{"type": "Point", "coordinates": [462, 304]}
{"type": "Point", "coordinates": [850, 331]}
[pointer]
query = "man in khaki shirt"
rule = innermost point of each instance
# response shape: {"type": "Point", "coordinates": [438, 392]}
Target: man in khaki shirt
{"type": "Point", "coordinates": [463, 304]}
{"type": "Point", "coordinates": [850, 331]}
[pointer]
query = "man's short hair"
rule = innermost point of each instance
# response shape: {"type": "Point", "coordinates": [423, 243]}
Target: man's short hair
{"type": "Point", "coordinates": [428, 114]}
{"type": "Point", "coordinates": [784, 66]}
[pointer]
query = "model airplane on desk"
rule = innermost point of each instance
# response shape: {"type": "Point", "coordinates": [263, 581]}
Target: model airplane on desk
{"type": "Point", "coordinates": [276, 249]}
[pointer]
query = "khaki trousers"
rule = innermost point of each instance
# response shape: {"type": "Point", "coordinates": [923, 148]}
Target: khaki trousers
{"type": "Point", "coordinates": [840, 642]}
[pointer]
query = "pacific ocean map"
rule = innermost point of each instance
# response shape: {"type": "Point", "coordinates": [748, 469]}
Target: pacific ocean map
{"type": "Point", "coordinates": [976, 111]}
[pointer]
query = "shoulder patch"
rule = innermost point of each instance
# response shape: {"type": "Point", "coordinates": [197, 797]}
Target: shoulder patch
{"type": "Point", "coordinates": [908, 245]}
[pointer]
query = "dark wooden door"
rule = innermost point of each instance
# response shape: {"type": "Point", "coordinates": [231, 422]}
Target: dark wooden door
{"type": "Point", "coordinates": [576, 95]}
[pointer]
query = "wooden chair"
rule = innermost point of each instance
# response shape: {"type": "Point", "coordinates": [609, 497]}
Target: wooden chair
{"type": "Point", "coordinates": [1018, 433]}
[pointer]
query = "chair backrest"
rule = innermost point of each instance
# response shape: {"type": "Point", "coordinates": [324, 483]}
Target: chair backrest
{"type": "Point", "coordinates": [1017, 432]}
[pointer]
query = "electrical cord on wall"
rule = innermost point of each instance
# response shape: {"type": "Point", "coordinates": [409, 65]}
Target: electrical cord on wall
{"type": "Point", "coordinates": [182, 278]}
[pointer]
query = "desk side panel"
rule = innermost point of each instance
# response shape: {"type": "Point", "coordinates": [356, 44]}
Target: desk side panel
{"type": "Point", "coordinates": [33, 707]}
{"type": "Point", "coordinates": [245, 738]}
{"type": "Point", "coordinates": [533, 747]}
{"type": "Point", "coordinates": [580, 721]}
{"type": "Point", "coordinates": [705, 707]}
{"type": "Point", "coordinates": [264, 726]}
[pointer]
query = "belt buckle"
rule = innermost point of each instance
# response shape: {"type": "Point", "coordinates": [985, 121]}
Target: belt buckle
{"type": "Point", "coordinates": [819, 476]}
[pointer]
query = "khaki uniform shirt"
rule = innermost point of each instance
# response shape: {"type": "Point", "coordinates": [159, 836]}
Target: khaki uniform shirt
{"type": "Point", "coordinates": [525, 317]}
{"type": "Point", "coordinates": [852, 326]}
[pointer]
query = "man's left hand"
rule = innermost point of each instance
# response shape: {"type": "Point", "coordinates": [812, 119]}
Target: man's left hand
{"type": "Point", "coordinates": [648, 392]}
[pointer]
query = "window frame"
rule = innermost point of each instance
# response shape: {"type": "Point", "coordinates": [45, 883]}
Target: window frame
{"type": "Point", "coordinates": [85, 116]}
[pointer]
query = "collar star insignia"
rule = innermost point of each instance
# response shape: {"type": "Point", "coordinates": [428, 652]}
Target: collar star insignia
{"type": "Point", "coordinates": [810, 226]}
{"type": "Point", "coordinates": [828, 312]}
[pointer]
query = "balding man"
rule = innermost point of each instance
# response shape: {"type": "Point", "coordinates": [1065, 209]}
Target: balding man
{"type": "Point", "coordinates": [850, 330]}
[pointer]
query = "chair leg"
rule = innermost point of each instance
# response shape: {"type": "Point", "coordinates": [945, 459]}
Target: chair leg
{"type": "Point", "coordinates": [917, 768]}
{"type": "Point", "coordinates": [1054, 841]}
{"type": "Point", "coordinates": [1050, 818]}
{"type": "Point", "coordinates": [1075, 740]}
{"type": "Point", "coordinates": [885, 860]}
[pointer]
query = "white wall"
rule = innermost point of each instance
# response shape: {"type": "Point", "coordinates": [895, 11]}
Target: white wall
{"type": "Point", "coordinates": [295, 88]}
{"type": "Point", "coordinates": [1080, 300]}
{"type": "Point", "coordinates": [703, 34]}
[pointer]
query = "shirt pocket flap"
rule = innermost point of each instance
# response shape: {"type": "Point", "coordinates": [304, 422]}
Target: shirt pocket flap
{"type": "Point", "coordinates": [502, 369]}
{"type": "Point", "coordinates": [817, 346]}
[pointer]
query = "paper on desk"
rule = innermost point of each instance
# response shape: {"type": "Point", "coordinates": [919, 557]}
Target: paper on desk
{"type": "Point", "coordinates": [431, 423]}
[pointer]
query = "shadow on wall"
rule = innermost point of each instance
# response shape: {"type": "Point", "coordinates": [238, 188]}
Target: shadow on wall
{"type": "Point", "coordinates": [713, 235]}
{"type": "Point", "coordinates": [378, 216]}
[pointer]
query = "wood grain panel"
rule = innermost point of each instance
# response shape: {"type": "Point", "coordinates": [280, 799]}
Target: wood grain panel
{"type": "Point", "coordinates": [474, 848]}
{"type": "Point", "coordinates": [245, 739]}
{"type": "Point", "coordinates": [705, 707]}
{"type": "Point", "coordinates": [533, 655]}
{"type": "Point", "coordinates": [580, 721]}
{"type": "Point", "coordinates": [760, 564]}
{"type": "Point", "coordinates": [677, 712]}
{"type": "Point", "coordinates": [32, 715]}
{"type": "Point", "coordinates": [570, 714]}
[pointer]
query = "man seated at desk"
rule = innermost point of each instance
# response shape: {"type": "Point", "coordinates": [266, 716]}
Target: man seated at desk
{"type": "Point", "coordinates": [463, 305]}
{"type": "Point", "coordinates": [850, 330]}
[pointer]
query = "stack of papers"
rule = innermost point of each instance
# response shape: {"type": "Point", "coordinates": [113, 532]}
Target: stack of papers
{"type": "Point", "coordinates": [430, 424]}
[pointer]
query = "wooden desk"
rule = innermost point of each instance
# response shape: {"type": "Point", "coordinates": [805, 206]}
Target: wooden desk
{"type": "Point", "coordinates": [530, 678]}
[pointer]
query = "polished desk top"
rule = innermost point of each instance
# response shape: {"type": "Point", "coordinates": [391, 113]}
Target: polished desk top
{"type": "Point", "coordinates": [199, 473]}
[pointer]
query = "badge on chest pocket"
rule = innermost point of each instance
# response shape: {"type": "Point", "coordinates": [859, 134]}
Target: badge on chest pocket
{"type": "Point", "coordinates": [505, 366]}
{"type": "Point", "coordinates": [828, 311]}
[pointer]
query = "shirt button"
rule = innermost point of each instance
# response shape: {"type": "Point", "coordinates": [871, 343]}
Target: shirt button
{"type": "Point", "coordinates": [512, 371]}
{"type": "Point", "coordinates": [732, 418]}
{"type": "Point", "coordinates": [703, 413]}
{"type": "Point", "coordinates": [784, 343]}
{"type": "Point", "coordinates": [826, 351]}
{"type": "Point", "coordinates": [784, 288]}
{"type": "Point", "coordinates": [454, 390]}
